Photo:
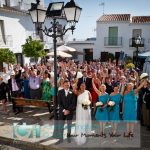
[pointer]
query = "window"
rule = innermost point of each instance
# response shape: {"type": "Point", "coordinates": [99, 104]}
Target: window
{"type": "Point", "coordinates": [2, 36]}
{"type": "Point", "coordinates": [136, 33]}
{"type": "Point", "coordinates": [113, 36]}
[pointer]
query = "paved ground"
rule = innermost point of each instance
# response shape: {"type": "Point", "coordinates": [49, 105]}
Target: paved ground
{"type": "Point", "coordinates": [11, 139]}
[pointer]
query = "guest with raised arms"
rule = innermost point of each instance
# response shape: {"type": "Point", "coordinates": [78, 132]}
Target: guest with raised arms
{"type": "Point", "coordinates": [102, 111]}
{"type": "Point", "coordinates": [130, 107]}
{"type": "Point", "coordinates": [114, 111]}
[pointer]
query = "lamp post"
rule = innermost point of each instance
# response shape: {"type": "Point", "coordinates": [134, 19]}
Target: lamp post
{"type": "Point", "coordinates": [56, 10]}
{"type": "Point", "coordinates": [138, 42]}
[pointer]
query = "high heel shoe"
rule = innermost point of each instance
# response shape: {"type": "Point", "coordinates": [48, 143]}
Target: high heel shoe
{"type": "Point", "coordinates": [111, 134]}
{"type": "Point", "coordinates": [104, 135]}
{"type": "Point", "coordinates": [101, 135]}
{"type": "Point", "coordinates": [131, 134]}
{"type": "Point", "coordinates": [126, 135]}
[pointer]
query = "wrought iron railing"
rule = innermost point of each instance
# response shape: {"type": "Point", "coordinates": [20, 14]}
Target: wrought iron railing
{"type": "Point", "coordinates": [132, 42]}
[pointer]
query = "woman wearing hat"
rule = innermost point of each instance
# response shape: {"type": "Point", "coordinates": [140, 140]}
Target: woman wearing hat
{"type": "Point", "coordinates": [3, 90]}
{"type": "Point", "coordinates": [130, 107]}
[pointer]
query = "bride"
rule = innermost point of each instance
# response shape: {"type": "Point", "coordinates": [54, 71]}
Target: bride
{"type": "Point", "coordinates": [83, 115]}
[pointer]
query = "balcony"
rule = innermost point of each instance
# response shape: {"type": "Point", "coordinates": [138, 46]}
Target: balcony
{"type": "Point", "coordinates": [6, 41]}
{"type": "Point", "coordinates": [133, 44]}
{"type": "Point", "coordinates": [112, 41]}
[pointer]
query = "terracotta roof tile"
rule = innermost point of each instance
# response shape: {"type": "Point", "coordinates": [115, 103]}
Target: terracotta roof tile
{"type": "Point", "coordinates": [141, 19]}
{"type": "Point", "coordinates": [11, 9]}
{"type": "Point", "coordinates": [115, 17]}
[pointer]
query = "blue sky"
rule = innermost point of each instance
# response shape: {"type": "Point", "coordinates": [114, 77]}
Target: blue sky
{"type": "Point", "coordinates": [91, 11]}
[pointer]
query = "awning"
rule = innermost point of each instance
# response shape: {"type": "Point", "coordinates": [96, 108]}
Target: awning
{"type": "Point", "coordinates": [145, 54]}
{"type": "Point", "coordinates": [61, 54]}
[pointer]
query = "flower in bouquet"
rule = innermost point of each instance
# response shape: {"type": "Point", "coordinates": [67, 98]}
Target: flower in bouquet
{"type": "Point", "coordinates": [85, 104]}
{"type": "Point", "coordinates": [111, 105]}
{"type": "Point", "coordinates": [100, 104]}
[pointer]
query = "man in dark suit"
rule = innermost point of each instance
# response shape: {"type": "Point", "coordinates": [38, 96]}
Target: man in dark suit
{"type": "Point", "coordinates": [67, 105]}
{"type": "Point", "coordinates": [85, 79]}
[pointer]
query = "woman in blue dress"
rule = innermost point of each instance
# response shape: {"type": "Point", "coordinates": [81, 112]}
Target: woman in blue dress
{"type": "Point", "coordinates": [102, 112]}
{"type": "Point", "coordinates": [114, 115]}
{"type": "Point", "coordinates": [130, 107]}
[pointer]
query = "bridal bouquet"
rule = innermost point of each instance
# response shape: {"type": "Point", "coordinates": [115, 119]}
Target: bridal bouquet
{"type": "Point", "coordinates": [100, 104]}
{"type": "Point", "coordinates": [111, 105]}
{"type": "Point", "coordinates": [85, 104]}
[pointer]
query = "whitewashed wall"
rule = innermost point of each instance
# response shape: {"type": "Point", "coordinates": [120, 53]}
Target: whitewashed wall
{"type": "Point", "coordinates": [80, 46]}
{"type": "Point", "coordinates": [125, 31]}
{"type": "Point", "coordinates": [19, 26]}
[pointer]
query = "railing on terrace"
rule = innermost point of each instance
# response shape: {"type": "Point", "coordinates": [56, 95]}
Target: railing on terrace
{"type": "Point", "coordinates": [112, 41]}
{"type": "Point", "coordinates": [132, 42]}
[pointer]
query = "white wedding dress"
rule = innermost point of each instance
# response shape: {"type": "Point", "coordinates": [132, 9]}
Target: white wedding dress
{"type": "Point", "coordinates": [83, 120]}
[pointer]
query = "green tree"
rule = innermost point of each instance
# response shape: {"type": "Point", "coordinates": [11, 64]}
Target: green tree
{"type": "Point", "coordinates": [128, 60]}
{"type": "Point", "coordinates": [111, 56]}
{"type": "Point", "coordinates": [7, 56]}
{"type": "Point", "coordinates": [33, 48]}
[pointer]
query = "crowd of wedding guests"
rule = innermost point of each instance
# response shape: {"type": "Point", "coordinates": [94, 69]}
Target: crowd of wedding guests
{"type": "Point", "coordinates": [104, 80]}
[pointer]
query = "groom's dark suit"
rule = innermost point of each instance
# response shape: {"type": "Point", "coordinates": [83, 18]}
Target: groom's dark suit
{"type": "Point", "coordinates": [66, 103]}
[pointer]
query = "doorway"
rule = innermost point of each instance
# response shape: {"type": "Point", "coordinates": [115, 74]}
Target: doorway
{"type": "Point", "coordinates": [88, 55]}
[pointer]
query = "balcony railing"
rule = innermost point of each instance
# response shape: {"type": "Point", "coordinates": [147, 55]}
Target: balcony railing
{"type": "Point", "coordinates": [112, 41]}
{"type": "Point", "coordinates": [6, 40]}
{"type": "Point", "coordinates": [132, 42]}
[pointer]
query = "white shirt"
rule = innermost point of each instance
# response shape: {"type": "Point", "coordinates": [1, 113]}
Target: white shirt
{"type": "Point", "coordinates": [6, 76]}
{"type": "Point", "coordinates": [14, 85]}
{"type": "Point", "coordinates": [84, 79]}
{"type": "Point", "coordinates": [66, 92]}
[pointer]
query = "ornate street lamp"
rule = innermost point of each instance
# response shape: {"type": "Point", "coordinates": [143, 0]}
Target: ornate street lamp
{"type": "Point", "coordinates": [56, 10]}
{"type": "Point", "coordinates": [138, 42]}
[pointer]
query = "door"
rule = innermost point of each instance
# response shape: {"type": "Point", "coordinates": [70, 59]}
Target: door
{"type": "Point", "coordinates": [88, 55]}
{"type": "Point", "coordinates": [117, 56]}
{"type": "Point", "coordinates": [104, 56]}
{"type": "Point", "coordinates": [19, 58]}
{"type": "Point", "coordinates": [113, 35]}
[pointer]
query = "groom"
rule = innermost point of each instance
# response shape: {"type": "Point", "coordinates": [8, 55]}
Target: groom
{"type": "Point", "coordinates": [67, 105]}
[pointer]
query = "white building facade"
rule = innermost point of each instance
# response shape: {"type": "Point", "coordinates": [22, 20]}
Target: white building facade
{"type": "Point", "coordinates": [16, 26]}
{"type": "Point", "coordinates": [114, 32]}
{"type": "Point", "coordinates": [84, 49]}
{"type": "Point", "coordinates": [117, 32]}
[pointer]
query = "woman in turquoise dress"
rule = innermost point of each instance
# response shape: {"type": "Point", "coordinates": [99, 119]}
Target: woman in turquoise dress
{"type": "Point", "coordinates": [114, 115]}
{"type": "Point", "coordinates": [46, 88]}
{"type": "Point", "coordinates": [102, 112]}
{"type": "Point", "coordinates": [26, 89]}
{"type": "Point", "coordinates": [130, 107]}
